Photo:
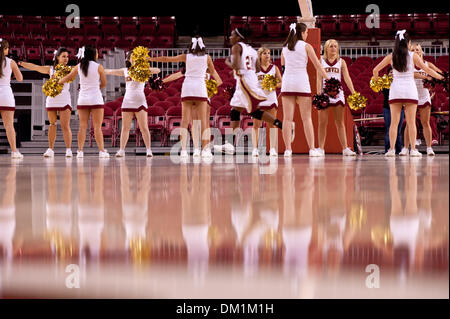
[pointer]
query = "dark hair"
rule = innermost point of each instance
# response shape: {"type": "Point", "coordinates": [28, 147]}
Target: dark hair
{"type": "Point", "coordinates": [3, 45]}
{"type": "Point", "coordinates": [127, 59]}
{"type": "Point", "coordinates": [197, 50]}
{"type": "Point", "coordinates": [89, 55]}
{"type": "Point", "coordinates": [401, 52]}
{"type": "Point", "coordinates": [60, 51]}
{"type": "Point", "coordinates": [292, 37]}
{"type": "Point", "coordinates": [244, 32]}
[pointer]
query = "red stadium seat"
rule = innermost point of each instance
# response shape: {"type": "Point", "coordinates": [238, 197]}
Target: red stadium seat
{"type": "Point", "coordinates": [103, 47]}
{"type": "Point", "coordinates": [93, 33]}
{"type": "Point", "coordinates": [347, 60]}
{"type": "Point", "coordinates": [328, 25]}
{"type": "Point", "coordinates": [164, 104]}
{"type": "Point", "coordinates": [223, 119]}
{"type": "Point", "coordinates": [109, 20]}
{"type": "Point", "coordinates": [108, 127]}
{"type": "Point", "coordinates": [38, 32]}
{"type": "Point", "coordinates": [347, 24]}
{"type": "Point", "coordinates": [173, 120]}
{"type": "Point", "coordinates": [440, 23]}
{"type": "Point", "coordinates": [76, 35]}
{"type": "Point", "coordinates": [238, 22]}
{"type": "Point", "coordinates": [129, 32]}
{"type": "Point", "coordinates": [256, 26]}
{"type": "Point", "coordinates": [166, 29]}
{"type": "Point", "coordinates": [111, 32]}
{"type": "Point", "coordinates": [362, 28]}
{"type": "Point", "coordinates": [274, 26]}
{"type": "Point", "coordinates": [21, 34]}
{"type": "Point", "coordinates": [156, 122]}
{"type": "Point", "coordinates": [123, 44]}
{"type": "Point", "coordinates": [422, 23]}
{"type": "Point", "coordinates": [403, 21]}
{"type": "Point", "coordinates": [128, 20]}
{"type": "Point", "coordinates": [48, 47]}
{"type": "Point", "coordinates": [386, 25]}
{"type": "Point", "coordinates": [118, 127]}
{"type": "Point", "coordinates": [85, 21]}
{"type": "Point", "coordinates": [159, 95]}
{"type": "Point", "coordinates": [171, 91]}
{"type": "Point", "coordinates": [174, 99]}
{"type": "Point", "coordinates": [219, 99]}
{"type": "Point", "coordinates": [151, 100]}
{"type": "Point", "coordinates": [33, 52]}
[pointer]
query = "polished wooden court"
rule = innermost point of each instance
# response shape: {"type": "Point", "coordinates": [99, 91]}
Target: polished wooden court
{"type": "Point", "coordinates": [230, 228]}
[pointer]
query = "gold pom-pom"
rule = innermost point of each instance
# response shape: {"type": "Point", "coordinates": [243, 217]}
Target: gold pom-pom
{"type": "Point", "coordinates": [211, 86]}
{"type": "Point", "coordinates": [62, 70]}
{"type": "Point", "coordinates": [140, 70]}
{"type": "Point", "coordinates": [386, 80]}
{"type": "Point", "coordinates": [356, 101]}
{"type": "Point", "coordinates": [51, 87]}
{"type": "Point", "coordinates": [269, 82]}
{"type": "Point", "coordinates": [376, 85]}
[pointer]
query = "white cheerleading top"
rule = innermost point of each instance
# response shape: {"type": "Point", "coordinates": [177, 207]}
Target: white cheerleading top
{"type": "Point", "coordinates": [424, 94]}
{"type": "Point", "coordinates": [134, 93]}
{"type": "Point", "coordinates": [271, 96]}
{"type": "Point", "coordinates": [61, 99]}
{"type": "Point", "coordinates": [6, 94]}
{"type": "Point", "coordinates": [194, 85]}
{"type": "Point", "coordinates": [248, 59]}
{"type": "Point", "coordinates": [297, 60]}
{"type": "Point", "coordinates": [90, 93]}
{"type": "Point", "coordinates": [334, 71]}
{"type": "Point", "coordinates": [403, 86]}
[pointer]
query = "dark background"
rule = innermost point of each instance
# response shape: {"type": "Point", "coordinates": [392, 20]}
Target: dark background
{"type": "Point", "coordinates": [208, 16]}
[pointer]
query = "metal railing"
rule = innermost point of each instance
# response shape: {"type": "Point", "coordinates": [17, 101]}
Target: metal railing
{"type": "Point", "coordinates": [355, 52]}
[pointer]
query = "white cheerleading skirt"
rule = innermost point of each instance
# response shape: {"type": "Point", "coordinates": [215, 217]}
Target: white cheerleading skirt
{"type": "Point", "coordinates": [7, 101]}
{"type": "Point", "coordinates": [248, 94]}
{"type": "Point", "coordinates": [403, 91]}
{"type": "Point", "coordinates": [134, 102]}
{"type": "Point", "coordinates": [338, 100]}
{"type": "Point", "coordinates": [296, 84]}
{"type": "Point", "coordinates": [194, 89]}
{"type": "Point", "coordinates": [424, 98]}
{"type": "Point", "coordinates": [90, 96]}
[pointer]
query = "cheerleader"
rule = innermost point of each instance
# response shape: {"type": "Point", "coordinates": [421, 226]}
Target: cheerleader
{"type": "Point", "coordinates": [424, 104]}
{"type": "Point", "coordinates": [247, 96]}
{"type": "Point", "coordinates": [403, 89]}
{"type": "Point", "coordinates": [90, 99]}
{"type": "Point", "coordinates": [335, 68]}
{"type": "Point", "coordinates": [134, 104]}
{"type": "Point", "coordinates": [271, 104]}
{"type": "Point", "coordinates": [295, 87]}
{"type": "Point", "coordinates": [194, 94]}
{"type": "Point", "coordinates": [7, 101]}
{"type": "Point", "coordinates": [60, 103]}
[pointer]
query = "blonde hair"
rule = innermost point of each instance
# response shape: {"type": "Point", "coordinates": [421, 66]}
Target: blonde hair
{"type": "Point", "coordinates": [417, 45]}
{"type": "Point", "coordinates": [261, 50]}
{"type": "Point", "coordinates": [327, 44]}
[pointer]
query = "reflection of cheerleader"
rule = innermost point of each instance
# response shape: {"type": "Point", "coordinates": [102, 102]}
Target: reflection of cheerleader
{"type": "Point", "coordinates": [336, 68]}
{"type": "Point", "coordinates": [8, 215]}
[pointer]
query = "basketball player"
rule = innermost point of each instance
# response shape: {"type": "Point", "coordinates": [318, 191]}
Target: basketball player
{"type": "Point", "coordinates": [335, 68]}
{"type": "Point", "coordinates": [295, 87]}
{"type": "Point", "coordinates": [271, 104]}
{"type": "Point", "coordinates": [7, 101]}
{"type": "Point", "coordinates": [90, 99]}
{"type": "Point", "coordinates": [59, 104]}
{"type": "Point", "coordinates": [424, 104]}
{"type": "Point", "coordinates": [194, 94]}
{"type": "Point", "coordinates": [403, 89]}
{"type": "Point", "coordinates": [134, 105]}
{"type": "Point", "coordinates": [247, 96]}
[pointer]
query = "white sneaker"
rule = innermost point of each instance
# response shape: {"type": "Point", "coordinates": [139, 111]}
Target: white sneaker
{"type": "Point", "coordinates": [314, 153]}
{"type": "Point", "coordinates": [69, 152]}
{"type": "Point", "coordinates": [16, 155]}
{"type": "Point", "coordinates": [430, 151]}
{"type": "Point", "coordinates": [415, 153]}
{"type": "Point", "coordinates": [404, 152]}
{"type": "Point", "coordinates": [348, 152]}
{"type": "Point", "coordinates": [206, 153]}
{"type": "Point", "coordinates": [103, 154]}
{"type": "Point", "coordinates": [49, 153]}
{"type": "Point", "coordinates": [255, 153]}
{"type": "Point", "coordinates": [227, 148]}
{"type": "Point", "coordinates": [321, 152]}
{"type": "Point", "coordinates": [293, 132]}
{"type": "Point", "coordinates": [390, 153]}
{"type": "Point", "coordinates": [196, 153]}
{"type": "Point", "coordinates": [184, 154]}
{"type": "Point", "coordinates": [120, 153]}
{"type": "Point", "coordinates": [80, 154]}
{"type": "Point", "coordinates": [288, 153]}
{"type": "Point", "coordinates": [418, 142]}
{"type": "Point", "coordinates": [149, 153]}
{"type": "Point", "coordinates": [273, 152]}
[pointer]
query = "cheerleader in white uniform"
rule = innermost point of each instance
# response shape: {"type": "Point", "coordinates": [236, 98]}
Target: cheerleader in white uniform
{"type": "Point", "coordinates": [271, 104]}
{"type": "Point", "coordinates": [295, 87]}
{"type": "Point", "coordinates": [424, 104]}
{"type": "Point", "coordinates": [134, 104]}
{"type": "Point", "coordinates": [403, 89]}
{"type": "Point", "coordinates": [60, 103]}
{"type": "Point", "coordinates": [7, 101]}
{"type": "Point", "coordinates": [90, 99]}
{"type": "Point", "coordinates": [194, 94]}
{"type": "Point", "coordinates": [248, 95]}
{"type": "Point", "coordinates": [335, 68]}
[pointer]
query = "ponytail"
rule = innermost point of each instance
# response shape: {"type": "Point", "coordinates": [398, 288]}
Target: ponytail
{"type": "Point", "coordinates": [401, 52]}
{"type": "Point", "coordinates": [3, 45]}
{"type": "Point", "coordinates": [89, 55]}
{"type": "Point", "coordinates": [295, 34]}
